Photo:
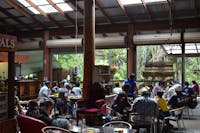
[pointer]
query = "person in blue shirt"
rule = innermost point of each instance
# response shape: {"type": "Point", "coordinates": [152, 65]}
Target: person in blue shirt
{"type": "Point", "coordinates": [187, 90]}
{"type": "Point", "coordinates": [133, 91]}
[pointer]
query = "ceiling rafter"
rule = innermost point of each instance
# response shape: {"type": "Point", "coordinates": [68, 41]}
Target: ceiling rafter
{"type": "Point", "coordinates": [196, 48]}
{"type": "Point", "coordinates": [146, 9]}
{"type": "Point", "coordinates": [103, 11]}
{"type": "Point", "coordinates": [14, 18]}
{"type": "Point", "coordinates": [44, 14]}
{"type": "Point", "coordinates": [194, 2]}
{"type": "Point", "coordinates": [113, 28]}
{"type": "Point", "coordinates": [171, 15]}
{"type": "Point", "coordinates": [124, 10]}
{"type": "Point", "coordinates": [61, 11]}
{"type": "Point", "coordinates": [76, 5]}
{"type": "Point", "coordinates": [19, 9]}
{"type": "Point", "coordinates": [8, 26]}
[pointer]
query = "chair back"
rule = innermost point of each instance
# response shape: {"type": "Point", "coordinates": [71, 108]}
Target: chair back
{"type": "Point", "coordinates": [177, 112]}
{"type": "Point", "coordinates": [118, 124]}
{"type": "Point", "coordinates": [29, 124]}
{"type": "Point", "coordinates": [52, 129]}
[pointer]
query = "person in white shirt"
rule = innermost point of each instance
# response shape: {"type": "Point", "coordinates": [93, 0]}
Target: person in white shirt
{"type": "Point", "coordinates": [44, 91]}
{"type": "Point", "coordinates": [159, 86]}
{"type": "Point", "coordinates": [63, 89]}
{"type": "Point", "coordinates": [117, 89]}
{"type": "Point", "coordinates": [76, 89]}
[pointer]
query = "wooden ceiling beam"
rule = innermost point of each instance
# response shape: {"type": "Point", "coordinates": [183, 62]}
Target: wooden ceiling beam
{"type": "Point", "coordinates": [103, 12]}
{"type": "Point", "coordinates": [8, 26]}
{"type": "Point", "coordinates": [61, 12]}
{"type": "Point", "coordinates": [14, 18]}
{"type": "Point", "coordinates": [20, 10]}
{"type": "Point", "coordinates": [114, 28]}
{"type": "Point", "coordinates": [146, 9]}
{"type": "Point", "coordinates": [195, 5]}
{"type": "Point", "coordinates": [124, 10]}
{"type": "Point", "coordinates": [186, 55]}
{"type": "Point", "coordinates": [48, 17]}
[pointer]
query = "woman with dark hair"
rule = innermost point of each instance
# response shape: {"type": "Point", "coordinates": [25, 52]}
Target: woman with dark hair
{"type": "Point", "coordinates": [195, 86]}
{"type": "Point", "coordinates": [96, 92]}
{"type": "Point", "coordinates": [121, 105]}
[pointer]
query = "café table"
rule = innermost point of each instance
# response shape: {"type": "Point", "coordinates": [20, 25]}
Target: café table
{"type": "Point", "coordinates": [77, 129]}
{"type": "Point", "coordinates": [73, 99]}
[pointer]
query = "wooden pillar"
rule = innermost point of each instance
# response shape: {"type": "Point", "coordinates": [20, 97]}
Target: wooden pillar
{"type": "Point", "coordinates": [89, 46]}
{"type": "Point", "coordinates": [11, 82]}
{"type": "Point", "coordinates": [182, 57]}
{"type": "Point", "coordinates": [131, 52]}
{"type": "Point", "coordinates": [47, 65]}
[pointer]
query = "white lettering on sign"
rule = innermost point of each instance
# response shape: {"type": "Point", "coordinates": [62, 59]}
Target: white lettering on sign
{"type": "Point", "coordinates": [7, 43]}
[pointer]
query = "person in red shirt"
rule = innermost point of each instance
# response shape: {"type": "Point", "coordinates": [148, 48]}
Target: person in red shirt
{"type": "Point", "coordinates": [195, 86]}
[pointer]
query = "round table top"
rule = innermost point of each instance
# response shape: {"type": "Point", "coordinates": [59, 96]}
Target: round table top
{"type": "Point", "coordinates": [77, 129]}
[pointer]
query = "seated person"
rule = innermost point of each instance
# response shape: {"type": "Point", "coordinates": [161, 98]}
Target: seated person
{"type": "Point", "coordinates": [163, 108]}
{"type": "Point", "coordinates": [76, 89]}
{"type": "Point", "coordinates": [117, 89]}
{"type": "Point", "coordinates": [96, 92]}
{"type": "Point", "coordinates": [188, 90]}
{"type": "Point", "coordinates": [171, 91]}
{"type": "Point", "coordinates": [133, 91]}
{"type": "Point", "coordinates": [62, 104]}
{"type": "Point", "coordinates": [159, 86]}
{"type": "Point", "coordinates": [44, 91]}
{"type": "Point", "coordinates": [146, 108]}
{"type": "Point", "coordinates": [196, 88]}
{"type": "Point", "coordinates": [179, 99]}
{"type": "Point", "coordinates": [43, 114]}
{"type": "Point", "coordinates": [18, 108]}
{"type": "Point", "coordinates": [121, 105]}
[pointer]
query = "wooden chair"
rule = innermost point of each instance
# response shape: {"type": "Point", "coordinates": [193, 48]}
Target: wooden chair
{"type": "Point", "coordinates": [118, 124]}
{"type": "Point", "coordinates": [52, 129]}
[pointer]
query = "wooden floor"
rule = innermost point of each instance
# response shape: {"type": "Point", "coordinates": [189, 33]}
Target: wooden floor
{"type": "Point", "coordinates": [192, 125]}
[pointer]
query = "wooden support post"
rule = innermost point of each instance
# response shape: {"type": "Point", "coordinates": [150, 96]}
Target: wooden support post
{"type": "Point", "coordinates": [132, 52]}
{"type": "Point", "coordinates": [183, 58]}
{"type": "Point", "coordinates": [89, 46]}
{"type": "Point", "coordinates": [46, 58]}
{"type": "Point", "coordinates": [11, 82]}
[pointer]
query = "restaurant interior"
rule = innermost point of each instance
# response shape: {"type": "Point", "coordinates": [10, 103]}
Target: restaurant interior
{"type": "Point", "coordinates": [33, 31]}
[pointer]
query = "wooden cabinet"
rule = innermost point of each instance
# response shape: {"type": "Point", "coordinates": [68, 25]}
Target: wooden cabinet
{"type": "Point", "coordinates": [102, 74]}
{"type": "Point", "coordinates": [3, 105]}
{"type": "Point", "coordinates": [28, 89]}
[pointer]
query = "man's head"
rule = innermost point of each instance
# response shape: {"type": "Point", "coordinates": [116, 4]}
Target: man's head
{"type": "Point", "coordinates": [47, 83]}
{"type": "Point", "coordinates": [178, 88]}
{"type": "Point", "coordinates": [186, 83]}
{"type": "Point", "coordinates": [145, 93]}
{"type": "Point", "coordinates": [126, 87]}
{"type": "Point", "coordinates": [160, 93]}
{"type": "Point", "coordinates": [132, 76]}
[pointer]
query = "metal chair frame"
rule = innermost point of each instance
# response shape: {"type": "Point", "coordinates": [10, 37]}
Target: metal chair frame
{"type": "Point", "coordinates": [118, 123]}
{"type": "Point", "coordinates": [51, 129]}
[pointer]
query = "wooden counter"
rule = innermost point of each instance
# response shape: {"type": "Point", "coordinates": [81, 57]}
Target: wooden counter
{"type": "Point", "coordinates": [8, 126]}
{"type": "Point", "coordinates": [28, 89]}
